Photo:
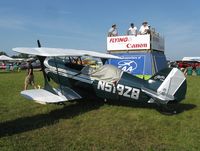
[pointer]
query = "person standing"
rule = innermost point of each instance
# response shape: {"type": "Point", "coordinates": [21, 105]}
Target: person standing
{"type": "Point", "coordinates": [113, 31]}
{"type": "Point", "coordinates": [132, 30]}
{"type": "Point", "coordinates": [29, 80]}
{"type": "Point", "coordinates": [144, 29]}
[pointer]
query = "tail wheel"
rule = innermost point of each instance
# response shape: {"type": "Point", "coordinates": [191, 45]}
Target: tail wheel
{"type": "Point", "coordinates": [170, 108]}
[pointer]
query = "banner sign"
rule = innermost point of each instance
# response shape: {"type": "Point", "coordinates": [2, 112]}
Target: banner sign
{"type": "Point", "coordinates": [128, 42]}
{"type": "Point", "coordinates": [133, 64]}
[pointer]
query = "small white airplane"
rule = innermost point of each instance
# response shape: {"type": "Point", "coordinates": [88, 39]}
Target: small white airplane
{"type": "Point", "coordinates": [76, 80]}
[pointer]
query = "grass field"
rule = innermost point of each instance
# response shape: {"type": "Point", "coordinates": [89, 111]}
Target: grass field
{"type": "Point", "coordinates": [93, 125]}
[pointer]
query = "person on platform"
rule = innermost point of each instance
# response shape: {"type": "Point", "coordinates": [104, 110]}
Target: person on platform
{"type": "Point", "coordinates": [132, 30]}
{"type": "Point", "coordinates": [113, 31]}
{"type": "Point", "coordinates": [144, 29]}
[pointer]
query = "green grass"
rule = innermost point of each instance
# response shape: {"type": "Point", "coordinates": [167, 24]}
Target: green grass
{"type": "Point", "coordinates": [92, 125]}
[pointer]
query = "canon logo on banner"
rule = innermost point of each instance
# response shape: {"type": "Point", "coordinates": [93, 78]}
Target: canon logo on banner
{"type": "Point", "coordinates": [119, 39]}
{"type": "Point", "coordinates": [136, 45]}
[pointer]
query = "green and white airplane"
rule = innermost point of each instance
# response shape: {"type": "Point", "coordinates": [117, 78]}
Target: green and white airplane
{"type": "Point", "coordinates": [107, 82]}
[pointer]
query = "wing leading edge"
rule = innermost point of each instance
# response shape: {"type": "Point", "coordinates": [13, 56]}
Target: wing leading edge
{"type": "Point", "coordinates": [62, 52]}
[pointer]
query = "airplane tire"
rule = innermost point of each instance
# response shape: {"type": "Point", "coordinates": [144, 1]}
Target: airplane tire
{"type": "Point", "coordinates": [170, 108]}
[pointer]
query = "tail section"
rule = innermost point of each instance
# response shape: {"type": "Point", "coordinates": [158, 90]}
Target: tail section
{"type": "Point", "coordinates": [174, 85]}
{"type": "Point", "coordinates": [167, 85]}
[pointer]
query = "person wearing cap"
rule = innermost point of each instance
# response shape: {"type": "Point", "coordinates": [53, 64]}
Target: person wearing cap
{"type": "Point", "coordinates": [132, 30]}
{"type": "Point", "coordinates": [113, 31]}
{"type": "Point", "coordinates": [29, 80]}
{"type": "Point", "coordinates": [144, 29]}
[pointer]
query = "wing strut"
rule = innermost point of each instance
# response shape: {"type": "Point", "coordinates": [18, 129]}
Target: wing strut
{"type": "Point", "coordinates": [58, 76]}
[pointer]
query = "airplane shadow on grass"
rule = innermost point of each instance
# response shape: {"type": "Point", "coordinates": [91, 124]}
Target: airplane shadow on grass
{"type": "Point", "coordinates": [179, 108]}
{"type": "Point", "coordinates": [24, 124]}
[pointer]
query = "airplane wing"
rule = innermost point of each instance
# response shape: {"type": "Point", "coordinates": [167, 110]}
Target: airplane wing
{"type": "Point", "coordinates": [62, 52]}
{"type": "Point", "coordinates": [43, 96]}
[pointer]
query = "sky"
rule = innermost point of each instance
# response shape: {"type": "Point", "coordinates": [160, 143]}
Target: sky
{"type": "Point", "coordinates": [83, 24]}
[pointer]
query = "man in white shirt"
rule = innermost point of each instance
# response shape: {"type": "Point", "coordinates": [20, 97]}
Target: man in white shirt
{"type": "Point", "coordinates": [144, 29]}
{"type": "Point", "coordinates": [113, 31]}
{"type": "Point", "coordinates": [132, 30]}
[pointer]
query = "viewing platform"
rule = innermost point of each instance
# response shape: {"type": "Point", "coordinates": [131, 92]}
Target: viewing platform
{"type": "Point", "coordinates": [142, 55]}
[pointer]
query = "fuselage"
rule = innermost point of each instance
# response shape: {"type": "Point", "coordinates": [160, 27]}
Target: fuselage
{"type": "Point", "coordinates": [127, 87]}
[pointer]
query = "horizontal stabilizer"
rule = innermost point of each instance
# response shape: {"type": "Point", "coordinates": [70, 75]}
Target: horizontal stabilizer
{"type": "Point", "coordinates": [162, 99]}
{"type": "Point", "coordinates": [44, 97]}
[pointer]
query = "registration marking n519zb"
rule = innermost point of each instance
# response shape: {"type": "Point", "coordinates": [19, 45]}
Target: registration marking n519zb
{"type": "Point", "coordinates": [123, 90]}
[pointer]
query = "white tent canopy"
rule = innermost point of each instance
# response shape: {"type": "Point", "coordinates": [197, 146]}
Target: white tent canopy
{"type": "Point", "coordinates": [191, 59]}
{"type": "Point", "coordinates": [5, 58]}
